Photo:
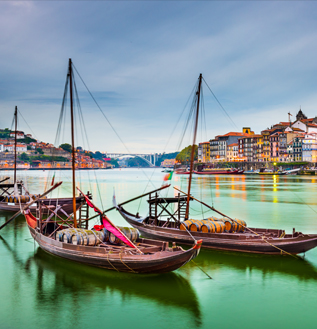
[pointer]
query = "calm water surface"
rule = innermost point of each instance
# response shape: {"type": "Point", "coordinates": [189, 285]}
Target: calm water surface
{"type": "Point", "coordinates": [249, 291]}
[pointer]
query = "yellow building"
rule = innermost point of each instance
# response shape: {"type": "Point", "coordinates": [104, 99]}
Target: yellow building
{"type": "Point", "coordinates": [168, 163]}
{"type": "Point", "coordinates": [204, 152]}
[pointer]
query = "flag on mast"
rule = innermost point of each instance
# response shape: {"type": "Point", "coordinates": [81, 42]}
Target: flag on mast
{"type": "Point", "coordinates": [53, 179]}
{"type": "Point", "coordinates": [109, 225]}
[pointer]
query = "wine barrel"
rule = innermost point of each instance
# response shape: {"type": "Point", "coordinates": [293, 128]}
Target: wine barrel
{"type": "Point", "coordinates": [106, 235]}
{"type": "Point", "coordinates": [87, 237]}
{"type": "Point", "coordinates": [65, 235]}
{"type": "Point", "coordinates": [186, 224]}
{"type": "Point", "coordinates": [230, 226]}
{"type": "Point", "coordinates": [213, 227]}
{"type": "Point", "coordinates": [22, 199]}
{"type": "Point", "coordinates": [241, 225]}
{"type": "Point", "coordinates": [196, 226]}
{"type": "Point", "coordinates": [131, 233]}
{"type": "Point", "coordinates": [208, 227]}
{"type": "Point", "coordinates": [214, 219]}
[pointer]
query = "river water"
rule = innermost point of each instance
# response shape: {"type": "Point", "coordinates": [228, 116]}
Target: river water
{"type": "Point", "coordinates": [250, 291]}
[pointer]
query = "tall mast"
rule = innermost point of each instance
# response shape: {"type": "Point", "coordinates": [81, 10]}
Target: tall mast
{"type": "Point", "coordinates": [193, 148]}
{"type": "Point", "coordinates": [70, 75]}
{"type": "Point", "coordinates": [15, 143]}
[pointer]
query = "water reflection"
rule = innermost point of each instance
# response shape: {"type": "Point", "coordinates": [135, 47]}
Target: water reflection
{"type": "Point", "coordinates": [300, 268]}
{"type": "Point", "coordinates": [55, 279]}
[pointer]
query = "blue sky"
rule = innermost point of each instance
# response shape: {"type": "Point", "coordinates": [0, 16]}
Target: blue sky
{"type": "Point", "coordinates": [141, 59]}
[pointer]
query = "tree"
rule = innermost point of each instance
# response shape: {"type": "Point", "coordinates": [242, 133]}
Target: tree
{"type": "Point", "coordinates": [39, 150]}
{"type": "Point", "coordinates": [137, 162]}
{"type": "Point", "coordinates": [184, 154]}
{"type": "Point", "coordinates": [66, 147]}
{"type": "Point", "coordinates": [24, 157]}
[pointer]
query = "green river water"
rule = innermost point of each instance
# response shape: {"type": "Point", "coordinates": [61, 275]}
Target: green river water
{"type": "Point", "coordinates": [247, 291]}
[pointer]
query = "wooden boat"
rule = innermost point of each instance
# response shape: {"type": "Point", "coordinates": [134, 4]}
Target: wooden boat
{"type": "Point", "coordinates": [174, 227]}
{"type": "Point", "coordinates": [65, 239]}
{"type": "Point", "coordinates": [156, 257]}
{"type": "Point", "coordinates": [219, 172]}
{"type": "Point", "coordinates": [294, 243]}
{"type": "Point", "coordinates": [10, 203]}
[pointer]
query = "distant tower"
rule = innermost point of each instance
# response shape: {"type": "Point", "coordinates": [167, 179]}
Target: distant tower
{"type": "Point", "coordinates": [300, 115]}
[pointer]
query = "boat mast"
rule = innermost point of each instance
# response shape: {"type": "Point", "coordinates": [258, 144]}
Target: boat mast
{"type": "Point", "coordinates": [193, 148]}
{"type": "Point", "coordinates": [15, 143]}
{"type": "Point", "coordinates": [70, 75]}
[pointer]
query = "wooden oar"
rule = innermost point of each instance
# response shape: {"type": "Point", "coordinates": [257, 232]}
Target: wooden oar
{"type": "Point", "coordinates": [220, 213]}
{"type": "Point", "coordinates": [1, 181]}
{"type": "Point", "coordinates": [29, 203]}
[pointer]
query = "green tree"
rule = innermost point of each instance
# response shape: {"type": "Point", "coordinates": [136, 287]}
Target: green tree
{"type": "Point", "coordinates": [184, 155]}
{"type": "Point", "coordinates": [24, 157]}
{"type": "Point", "coordinates": [137, 162]}
{"type": "Point", "coordinates": [39, 150]}
{"type": "Point", "coordinates": [66, 147]}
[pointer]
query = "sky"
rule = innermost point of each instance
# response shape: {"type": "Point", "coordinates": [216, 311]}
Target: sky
{"type": "Point", "coordinates": [141, 60]}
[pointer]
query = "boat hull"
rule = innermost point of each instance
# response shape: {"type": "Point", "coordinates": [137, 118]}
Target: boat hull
{"type": "Point", "coordinates": [66, 203]}
{"type": "Point", "coordinates": [162, 262]}
{"type": "Point", "coordinates": [219, 172]}
{"type": "Point", "coordinates": [226, 241]}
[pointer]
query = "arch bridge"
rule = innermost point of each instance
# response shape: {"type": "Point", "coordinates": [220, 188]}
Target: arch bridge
{"type": "Point", "coordinates": [148, 158]}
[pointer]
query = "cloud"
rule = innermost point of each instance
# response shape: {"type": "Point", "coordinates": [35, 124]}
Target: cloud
{"type": "Point", "coordinates": [141, 60]}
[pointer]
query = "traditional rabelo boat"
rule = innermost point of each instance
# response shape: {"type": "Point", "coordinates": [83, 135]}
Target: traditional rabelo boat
{"type": "Point", "coordinates": [105, 246]}
{"type": "Point", "coordinates": [222, 233]}
{"type": "Point", "coordinates": [15, 195]}
{"type": "Point", "coordinates": [219, 172]}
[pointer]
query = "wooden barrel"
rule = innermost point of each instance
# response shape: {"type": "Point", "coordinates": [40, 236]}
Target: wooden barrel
{"type": "Point", "coordinates": [9, 199]}
{"type": "Point", "coordinates": [87, 237]}
{"type": "Point", "coordinates": [220, 226]}
{"type": "Point", "coordinates": [213, 227]}
{"type": "Point", "coordinates": [214, 219]}
{"type": "Point", "coordinates": [106, 235]}
{"type": "Point", "coordinates": [196, 226]}
{"type": "Point", "coordinates": [22, 199]}
{"type": "Point", "coordinates": [113, 239]}
{"type": "Point", "coordinates": [241, 225]}
{"type": "Point", "coordinates": [65, 235]}
{"type": "Point", "coordinates": [230, 226]}
{"type": "Point", "coordinates": [186, 224]}
{"type": "Point", "coordinates": [131, 233]}
{"type": "Point", "coordinates": [208, 227]}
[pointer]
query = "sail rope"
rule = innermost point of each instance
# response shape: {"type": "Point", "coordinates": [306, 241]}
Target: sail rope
{"type": "Point", "coordinates": [226, 113]}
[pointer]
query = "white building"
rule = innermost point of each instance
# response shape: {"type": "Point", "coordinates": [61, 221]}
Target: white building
{"type": "Point", "coordinates": [309, 147]}
{"type": "Point", "coordinates": [20, 134]}
{"type": "Point", "coordinates": [20, 148]}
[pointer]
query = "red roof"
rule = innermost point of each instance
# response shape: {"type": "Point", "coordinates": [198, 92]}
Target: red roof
{"type": "Point", "coordinates": [233, 144]}
{"type": "Point", "coordinates": [232, 133]}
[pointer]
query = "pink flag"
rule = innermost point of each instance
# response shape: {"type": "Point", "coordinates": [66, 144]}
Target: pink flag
{"type": "Point", "coordinates": [115, 231]}
{"type": "Point", "coordinates": [107, 223]}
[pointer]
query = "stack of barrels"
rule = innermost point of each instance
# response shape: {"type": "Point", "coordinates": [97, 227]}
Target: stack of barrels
{"type": "Point", "coordinates": [214, 225]}
{"type": "Point", "coordinates": [22, 198]}
{"type": "Point", "coordinates": [18, 199]}
{"type": "Point", "coordinates": [79, 236]}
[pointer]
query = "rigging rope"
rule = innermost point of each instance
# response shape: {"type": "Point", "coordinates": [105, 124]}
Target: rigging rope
{"type": "Point", "coordinates": [221, 105]}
